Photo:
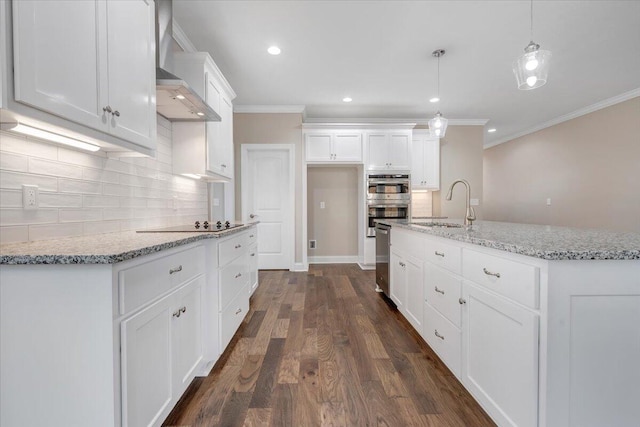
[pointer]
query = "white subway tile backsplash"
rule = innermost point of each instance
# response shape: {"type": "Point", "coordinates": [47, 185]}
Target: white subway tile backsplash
{"type": "Point", "coordinates": [84, 194]}
{"type": "Point", "coordinates": [14, 234]}
{"type": "Point", "coordinates": [15, 180]}
{"type": "Point", "coordinates": [80, 215]}
{"type": "Point", "coordinates": [14, 162]}
{"type": "Point", "coordinates": [51, 168]}
{"type": "Point", "coordinates": [56, 200]}
{"type": "Point", "coordinates": [54, 231]}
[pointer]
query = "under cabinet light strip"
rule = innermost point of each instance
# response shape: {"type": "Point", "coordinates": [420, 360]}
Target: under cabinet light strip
{"type": "Point", "coordinates": [49, 136]}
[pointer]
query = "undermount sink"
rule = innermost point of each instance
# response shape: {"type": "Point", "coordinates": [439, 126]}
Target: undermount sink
{"type": "Point", "coordinates": [437, 224]}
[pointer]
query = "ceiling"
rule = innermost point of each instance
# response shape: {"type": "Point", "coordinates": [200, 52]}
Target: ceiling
{"type": "Point", "coordinates": [379, 54]}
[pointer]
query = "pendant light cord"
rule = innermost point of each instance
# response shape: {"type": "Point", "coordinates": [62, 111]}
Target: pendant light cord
{"type": "Point", "coordinates": [531, 20]}
{"type": "Point", "coordinates": [438, 76]}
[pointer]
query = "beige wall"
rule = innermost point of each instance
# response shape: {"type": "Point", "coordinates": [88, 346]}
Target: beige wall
{"type": "Point", "coordinates": [460, 158]}
{"type": "Point", "coordinates": [588, 166]}
{"type": "Point", "coordinates": [335, 228]}
{"type": "Point", "coordinates": [253, 128]}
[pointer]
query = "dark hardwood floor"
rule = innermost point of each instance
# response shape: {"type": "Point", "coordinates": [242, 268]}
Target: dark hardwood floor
{"type": "Point", "coordinates": [324, 349]}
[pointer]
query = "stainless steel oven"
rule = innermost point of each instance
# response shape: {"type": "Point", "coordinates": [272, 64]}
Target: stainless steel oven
{"type": "Point", "coordinates": [388, 197]}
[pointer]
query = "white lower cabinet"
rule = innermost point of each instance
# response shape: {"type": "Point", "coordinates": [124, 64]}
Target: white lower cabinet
{"type": "Point", "coordinates": [500, 356]}
{"type": "Point", "coordinates": [443, 337]}
{"type": "Point", "coordinates": [253, 268]}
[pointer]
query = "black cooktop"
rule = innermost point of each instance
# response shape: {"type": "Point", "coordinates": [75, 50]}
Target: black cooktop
{"type": "Point", "coordinates": [204, 226]}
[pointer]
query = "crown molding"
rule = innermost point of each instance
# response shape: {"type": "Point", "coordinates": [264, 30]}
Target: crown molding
{"type": "Point", "coordinates": [181, 38]}
{"type": "Point", "coordinates": [573, 115]}
{"type": "Point", "coordinates": [417, 122]}
{"type": "Point", "coordinates": [357, 125]}
{"type": "Point", "coordinates": [266, 109]}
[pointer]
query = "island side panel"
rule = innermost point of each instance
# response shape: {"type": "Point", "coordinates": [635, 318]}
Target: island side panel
{"type": "Point", "coordinates": [56, 345]}
{"type": "Point", "coordinates": [593, 374]}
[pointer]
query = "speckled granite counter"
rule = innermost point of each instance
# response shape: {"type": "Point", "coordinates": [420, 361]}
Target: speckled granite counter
{"type": "Point", "coordinates": [101, 248]}
{"type": "Point", "coordinates": [540, 241]}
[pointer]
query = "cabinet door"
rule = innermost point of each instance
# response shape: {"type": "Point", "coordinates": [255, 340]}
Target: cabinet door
{"type": "Point", "coordinates": [399, 150]}
{"type": "Point", "coordinates": [415, 291]}
{"type": "Point", "coordinates": [417, 163]}
{"type": "Point", "coordinates": [60, 58]}
{"type": "Point", "coordinates": [500, 356]}
{"type": "Point", "coordinates": [431, 163]}
{"type": "Point", "coordinates": [146, 365]}
{"type": "Point", "coordinates": [214, 151]}
{"type": "Point", "coordinates": [253, 268]}
{"type": "Point", "coordinates": [398, 284]}
{"type": "Point", "coordinates": [131, 71]}
{"type": "Point", "coordinates": [318, 147]}
{"type": "Point", "coordinates": [187, 333]}
{"type": "Point", "coordinates": [226, 138]}
{"type": "Point", "coordinates": [347, 147]}
{"type": "Point", "coordinates": [377, 144]}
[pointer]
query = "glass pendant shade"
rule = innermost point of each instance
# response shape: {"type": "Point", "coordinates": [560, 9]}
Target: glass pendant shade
{"type": "Point", "coordinates": [532, 67]}
{"type": "Point", "coordinates": [438, 126]}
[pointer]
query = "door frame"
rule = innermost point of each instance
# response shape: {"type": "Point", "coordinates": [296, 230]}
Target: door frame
{"type": "Point", "coordinates": [244, 186]}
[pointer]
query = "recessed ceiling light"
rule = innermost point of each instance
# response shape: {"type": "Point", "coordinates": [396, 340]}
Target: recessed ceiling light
{"type": "Point", "coordinates": [179, 96]}
{"type": "Point", "coordinates": [200, 114]}
{"type": "Point", "coordinates": [492, 130]}
{"type": "Point", "coordinates": [434, 99]}
{"type": "Point", "coordinates": [347, 99]}
{"type": "Point", "coordinates": [274, 50]}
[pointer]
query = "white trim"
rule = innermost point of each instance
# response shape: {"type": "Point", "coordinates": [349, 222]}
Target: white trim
{"type": "Point", "coordinates": [345, 259]}
{"type": "Point", "coordinates": [574, 114]}
{"type": "Point", "coordinates": [416, 122]}
{"type": "Point", "coordinates": [181, 38]}
{"type": "Point", "coordinates": [283, 109]}
{"type": "Point", "coordinates": [299, 266]}
{"type": "Point", "coordinates": [291, 148]}
{"type": "Point", "coordinates": [357, 125]}
{"type": "Point", "coordinates": [366, 266]}
{"type": "Point", "coordinates": [303, 178]}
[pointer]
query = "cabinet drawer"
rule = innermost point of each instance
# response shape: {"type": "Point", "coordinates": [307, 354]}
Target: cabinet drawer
{"type": "Point", "coordinates": [143, 282]}
{"type": "Point", "coordinates": [252, 235]}
{"type": "Point", "coordinates": [511, 279]}
{"type": "Point", "coordinates": [231, 249]}
{"type": "Point", "coordinates": [408, 242]}
{"type": "Point", "coordinates": [231, 318]}
{"type": "Point", "coordinates": [443, 291]}
{"type": "Point", "coordinates": [444, 338]}
{"type": "Point", "coordinates": [444, 255]}
{"type": "Point", "coordinates": [232, 278]}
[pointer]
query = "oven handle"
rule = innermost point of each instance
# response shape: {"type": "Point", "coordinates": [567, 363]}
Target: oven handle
{"type": "Point", "coordinates": [388, 206]}
{"type": "Point", "coordinates": [390, 182]}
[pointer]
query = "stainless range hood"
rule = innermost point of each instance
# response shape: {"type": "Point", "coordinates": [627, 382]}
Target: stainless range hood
{"type": "Point", "coordinates": [175, 99]}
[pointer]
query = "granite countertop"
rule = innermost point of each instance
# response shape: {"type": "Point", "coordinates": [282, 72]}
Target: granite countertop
{"type": "Point", "coordinates": [540, 241]}
{"type": "Point", "coordinates": [107, 248]}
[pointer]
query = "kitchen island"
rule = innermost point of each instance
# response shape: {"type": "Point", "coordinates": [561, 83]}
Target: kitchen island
{"type": "Point", "coordinates": [541, 324]}
{"type": "Point", "coordinates": [109, 330]}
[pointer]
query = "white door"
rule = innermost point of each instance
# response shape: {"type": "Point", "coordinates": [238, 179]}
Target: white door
{"type": "Point", "coordinates": [267, 196]}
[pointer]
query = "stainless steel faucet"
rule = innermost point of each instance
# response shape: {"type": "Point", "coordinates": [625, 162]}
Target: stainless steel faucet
{"type": "Point", "coordinates": [471, 215]}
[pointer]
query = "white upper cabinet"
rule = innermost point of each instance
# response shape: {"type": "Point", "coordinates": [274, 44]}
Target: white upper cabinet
{"type": "Point", "coordinates": [425, 161]}
{"type": "Point", "coordinates": [89, 62]}
{"type": "Point", "coordinates": [334, 146]}
{"type": "Point", "coordinates": [389, 150]}
{"type": "Point", "coordinates": [205, 149]}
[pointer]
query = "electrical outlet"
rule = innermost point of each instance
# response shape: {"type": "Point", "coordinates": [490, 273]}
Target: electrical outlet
{"type": "Point", "coordinates": [216, 202]}
{"type": "Point", "coordinates": [30, 196]}
{"type": "Point", "coordinates": [475, 202]}
{"type": "Point", "coordinates": [312, 244]}
{"type": "Point", "coordinates": [549, 202]}
{"type": "Point", "coordinates": [322, 205]}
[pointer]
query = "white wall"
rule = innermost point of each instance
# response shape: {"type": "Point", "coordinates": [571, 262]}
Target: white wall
{"type": "Point", "coordinates": [85, 193]}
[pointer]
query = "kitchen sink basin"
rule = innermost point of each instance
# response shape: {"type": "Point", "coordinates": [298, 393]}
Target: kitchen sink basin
{"type": "Point", "coordinates": [438, 224]}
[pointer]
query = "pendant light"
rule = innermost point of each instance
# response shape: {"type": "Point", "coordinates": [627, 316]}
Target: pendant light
{"type": "Point", "coordinates": [531, 68]}
{"type": "Point", "coordinates": [438, 125]}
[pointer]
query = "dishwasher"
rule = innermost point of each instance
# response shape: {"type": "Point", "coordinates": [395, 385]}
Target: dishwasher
{"type": "Point", "coordinates": [382, 258]}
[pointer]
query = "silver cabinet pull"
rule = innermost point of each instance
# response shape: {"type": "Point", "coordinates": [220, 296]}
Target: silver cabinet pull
{"type": "Point", "coordinates": [238, 275]}
{"type": "Point", "coordinates": [440, 291]}
{"type": "Point", "coordinates": [252, 216]}
{"type": "Point", "coordinates": [439, 254]}
{"type": "Point", "coordinates": [251, 236]}
{"type": "Point", "coordinates": [183, 309]}
{"type": "Point", "coordinates": [224, 166]}
{"type": "Point", "coordinates": [238, 246]}
{"type": "Point", "coordinates": [175, 270]}
{"type": "Point", "coordinates": [238, 311]}
{"type": "Point", "coordinates": [116, 113]}
{"type": "Point", "coordinates": [462, 301]}
{"type": "Point", "coordinates": [402, 264]}
{"type": "Point", "coordinates": [488, 273]}
{"type": "Point", "coordinates": [439, 336]}
{"type": "Point", "coordinates": [253, 254]}
{"type": "Point", "coordinates": [107, 109]}
{"type": "Point", "coordinates": [177, 313]}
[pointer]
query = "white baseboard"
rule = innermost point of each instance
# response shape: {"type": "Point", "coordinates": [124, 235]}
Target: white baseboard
{"type": "Point", "coordinates": [299, 266]}
{"type": "Point", "coordinates": [347, 259]}
{"type": "Point", "coordinates": [366, 266]}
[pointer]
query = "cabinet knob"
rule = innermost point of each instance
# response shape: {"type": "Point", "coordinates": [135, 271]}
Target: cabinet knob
{"type": "Point", "coordinates": [440, 291]}
{"type": "Point", "coordinates": [438, 335]}
{"type": "Point", "coordinates": [107, 109]}
{"type": "Point", "coordinates": [175, 270]}
{"type": "Point", "coordinates": [462, 301]}
{"type": "Point", "coordinates": [238, 275]}
{"type": "Point", "coordinates": [237, 246]}
{"type": "Point", "coordinates": [488, 273]}
{"type": "Point", "coordinates": [116, 113]}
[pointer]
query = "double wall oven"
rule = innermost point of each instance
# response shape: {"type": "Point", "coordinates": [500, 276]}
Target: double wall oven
{"type": "Point", "coordinates": [388, 197]}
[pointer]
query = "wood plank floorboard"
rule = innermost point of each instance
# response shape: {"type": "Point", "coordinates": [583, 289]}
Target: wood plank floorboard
{"type": "Point", "coordinates": [322, 348]}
